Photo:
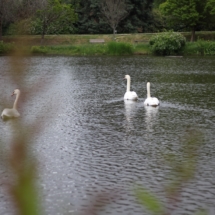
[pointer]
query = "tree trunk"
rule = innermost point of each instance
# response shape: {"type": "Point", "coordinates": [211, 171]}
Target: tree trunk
{"type": "Point", "coordinates": [0, 29]}
{"type": "Point", "coordinates": [192, 35]}
{"type": "Point", "coordinates": [43, 34]}
{"type": "Point", "coordinates": [114, 31]}
{"type": "Point", "coordinates": [42, 39]}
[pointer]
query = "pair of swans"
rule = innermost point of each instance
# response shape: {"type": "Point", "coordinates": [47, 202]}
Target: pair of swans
{"type": "Point", "coordinates": [131, 95]}
{"type": "Point", "coordinates": [8, 113]}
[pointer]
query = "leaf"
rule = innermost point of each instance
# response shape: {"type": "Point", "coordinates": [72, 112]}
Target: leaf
{"type": "Point", "coordinates": [149, 201]}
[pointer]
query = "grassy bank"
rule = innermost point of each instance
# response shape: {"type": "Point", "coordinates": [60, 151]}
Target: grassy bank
{"type": "Point", "coordinates": [110, 48]}
{"type": "Point", "coordinates": [54, 40]}
{"type": "Point", "coordinates": [80, 44]}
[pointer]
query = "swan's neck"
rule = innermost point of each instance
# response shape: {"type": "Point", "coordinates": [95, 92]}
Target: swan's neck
{"type": "Point", "coordinates": [128, 84]}
{"type": "Point", "coordinates": [148, 90]}
{"type": "Point", "coordinates": [16, 101]}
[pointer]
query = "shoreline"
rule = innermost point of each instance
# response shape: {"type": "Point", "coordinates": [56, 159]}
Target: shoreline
{"type": "Point", "coordinates": [80, 45]}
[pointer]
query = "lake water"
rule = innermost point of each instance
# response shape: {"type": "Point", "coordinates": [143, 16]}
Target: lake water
{"type": "Point", "coordinates": [93, 146]}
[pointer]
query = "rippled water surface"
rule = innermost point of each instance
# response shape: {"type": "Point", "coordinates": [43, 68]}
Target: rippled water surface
{"type": "Point", "coordinates": [95, 145]}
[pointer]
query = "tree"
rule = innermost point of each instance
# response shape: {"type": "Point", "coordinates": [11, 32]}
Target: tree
{"type": "Point", "coordinates": [140, 18]}
{"type": "Point", "coordinates": [53, 14]}
{"type": "Point", "coordinates": [23, 11]}
{"type": "Point", "coordinates": [114, 11]}
{"type": "Point", "coordinates": [26, 8]}
{"type": "Point", "coordinates": [211, 6]}
{"type": "Point", "coordinates": [187, 14]}
{"type": "Point", "coordinates": [156, 3]}
{"type": "Point", "coordinates": [91, 20]}
{"type": "Point", "coordinates": [6, 13]}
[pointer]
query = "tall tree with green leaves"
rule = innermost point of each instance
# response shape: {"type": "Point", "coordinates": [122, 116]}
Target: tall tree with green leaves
{"type": "Point", "coordinates": [53, 14]}
{"type": "Point", "coordinates": [210, 6]}
{"type": "Point", "coordinates": [156, 3]}
{"type": "Point", "coordinates": [186, 14]}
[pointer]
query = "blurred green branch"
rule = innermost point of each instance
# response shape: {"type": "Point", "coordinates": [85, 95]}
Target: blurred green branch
{"type": "Point", "coordinates": [183, 169]}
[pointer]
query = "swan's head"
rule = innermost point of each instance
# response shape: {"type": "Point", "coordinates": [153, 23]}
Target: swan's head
{"type": "Point", "coordinates": [127, 77]}
{"type": "Point", "coordinates": [15, 92]}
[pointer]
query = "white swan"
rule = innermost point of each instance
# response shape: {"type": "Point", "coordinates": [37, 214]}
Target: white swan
{"type": "Point", "coordinates": [129, 95]}
{"type": "Point", "coordinates": [150, 101]}
{"type": "Point", "coordinates": [12, 112]}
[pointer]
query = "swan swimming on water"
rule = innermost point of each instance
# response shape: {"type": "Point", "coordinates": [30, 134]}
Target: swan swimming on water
{"type": "Point", "coordinates": [129, 95]}
{"type": "Point", "coordinates": [12, 112]}
{"type": "Point", "coordinates": [150, 101]}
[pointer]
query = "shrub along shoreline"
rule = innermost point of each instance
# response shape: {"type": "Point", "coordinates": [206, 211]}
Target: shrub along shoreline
{"type": "Point", "coordinates": [79, 45]}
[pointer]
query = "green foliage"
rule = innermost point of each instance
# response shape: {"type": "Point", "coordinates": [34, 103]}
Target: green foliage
{"type": "Point", "coordinates": [211, 6]}
{"type": "Point", "coordinates": [39, 50]}
{"type": "Point", "coordinates": [200, 47]}
{"type": "Point", "coordinates": [18, 160]}
{"type": "Point", "coordinates": [55, 17]}
{"type": "Point", "coordinates": [167, 43]}
{"type": "Point", "coordinates": [156, 3]}
{"type": "Point", "coordinates": [115, 48]}
{"type": "Point", "coordinates": [90, 18]}
{"type": "Point", "coordinates": [188, 15]}
{"type": "Point", "coordinates": [85, 49]}
{"type": "Point", "coordinates": [181, 11]}
{"type": "Point", "coordinates": [25, 191]}
{"type": "Point", "coordinates": [149, 201]}
{"type": "Point", "coordinates": [6, 48]}
{"type": "Point", "coordinates": [22, 27]}
{"type": "Point", "coordinates": [144, 16]}
{"type": "Point", "coordinates": [140, 18]}
{"type": "Point", "coordinates": [92, 21]}
{"type": "Point", "coordinates": [142, 48]}
{"type": "Point", "coordinates": [190, 49]}
{"type": "Point", "coordinates": [159, 24]}
{"type": "Point", "coordinates": [182, 170]}
{"type": "Point", "coordinates": [205, 47]}
{"type": "Point", "coordinates": [112, 48]}
{"type": "Point", "coordinates": [92, 49]}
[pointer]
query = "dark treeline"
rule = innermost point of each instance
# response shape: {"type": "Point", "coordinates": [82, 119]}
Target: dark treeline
{"type": "Point", "coordinates": [41, 17]}
{"type": "Point", "coordinates": [140, 18]}
{"type": "Point", "coordinates": [90, 19]}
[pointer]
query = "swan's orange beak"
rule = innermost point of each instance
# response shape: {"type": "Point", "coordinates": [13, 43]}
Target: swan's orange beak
{"type": "Point", "coordinates": [12, 94]}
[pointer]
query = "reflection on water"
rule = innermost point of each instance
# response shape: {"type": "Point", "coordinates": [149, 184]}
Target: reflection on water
{"type": "Point", "coordinates": [96, 142]}
{"type": "Point", "coordinates": [130, 110]}
{"type": "Point", "coordinates": [151, 117]}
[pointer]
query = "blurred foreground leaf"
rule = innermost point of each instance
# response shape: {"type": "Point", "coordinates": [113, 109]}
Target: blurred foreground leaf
{"type": "Point", "coordinates": [149, 201]}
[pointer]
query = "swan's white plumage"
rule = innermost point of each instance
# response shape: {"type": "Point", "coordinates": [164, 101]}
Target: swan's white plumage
{"type": "Point", "coordinates": [150, 101]}
{"type": "Point", "coordinates": [129, 95]}
{"type": "Point", "coordinates": [12, 112]}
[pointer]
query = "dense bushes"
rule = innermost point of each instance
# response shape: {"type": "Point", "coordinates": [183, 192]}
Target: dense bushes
{"type": "Point", "coordinates": [119, 48]}
{"type": "Point", "coordinates": [79, 45]}
{"type": "Point", "coordinates": [167, 43]}
{"type": "Point", "coordinates": [111, 48]}
{"type": "Point", "coordinates": [205, 47]}
{"type": "Point", "coordinates": [5, 47]}
{"type": "Point", "coordinates": [39, 50]}
{"type": "Point", "coordinates": [200, 47]}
